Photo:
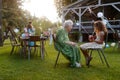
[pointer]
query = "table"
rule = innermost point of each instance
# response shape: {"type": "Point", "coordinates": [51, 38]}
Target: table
{"type": "Point", "coordinates": [25, 45]}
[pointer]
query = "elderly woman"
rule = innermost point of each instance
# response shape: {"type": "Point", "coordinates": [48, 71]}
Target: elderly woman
{"type": "Point", "coordinates": [68, 48]}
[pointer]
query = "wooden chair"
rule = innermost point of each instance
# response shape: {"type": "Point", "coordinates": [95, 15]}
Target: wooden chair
{"type": "Point", "coordinates": [15, 44]}
{"type": "Point", "coordinates": [33, 39]}
{"type": "Point", "coordinates": [13, 40]}
{"type": "Point", "coordinates": [100, 51]}
{"type": "Point", "coordinates": [54, 40]}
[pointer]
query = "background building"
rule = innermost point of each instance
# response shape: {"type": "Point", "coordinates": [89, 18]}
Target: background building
{"type": "Point", "coordinates": [79, 13]}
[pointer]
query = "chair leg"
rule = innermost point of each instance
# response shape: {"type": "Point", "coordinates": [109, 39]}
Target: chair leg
{"type": "Point", "coordinates": [90, 56]}
{"type": "Point", "coordinates": [56, 60]}
{"type": "Point", "coordinates": [45, 52]}
{"type": "Point", "coordinates": [16, 48]}
{"type": "Point", "coordinates": [100, 57]}
{"type": "Point", "coordinates": [13, 47]}
{"type": "Point", "coordinates": [38, 50]}
{"type": "Point", "coordinates": [105, 58]}
{"type": "Point", "coordinates": [34, 50]}
{"type": "Point", "coordinates": [91, 53]}
{"type": "Point", "coordinates": [21, 51]}
{"type": "Point", "coordinates": [29, 53]}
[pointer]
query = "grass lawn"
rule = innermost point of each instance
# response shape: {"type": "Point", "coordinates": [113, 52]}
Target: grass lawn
{"type": "Point", "coordinates": [15, 67]}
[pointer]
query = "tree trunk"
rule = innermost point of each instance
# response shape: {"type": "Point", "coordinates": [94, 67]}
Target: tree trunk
{"type": "Point", "coordinates": [1, 41]}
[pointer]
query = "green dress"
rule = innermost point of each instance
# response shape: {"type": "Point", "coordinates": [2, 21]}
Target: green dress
{"type": "Point", "coordinates": [72, 53]}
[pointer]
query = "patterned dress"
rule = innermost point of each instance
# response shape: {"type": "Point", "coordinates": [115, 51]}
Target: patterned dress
{"type": "Point", "coordinates": [93, 45]}
{"type": "Point", "coordinates": [72, 53]}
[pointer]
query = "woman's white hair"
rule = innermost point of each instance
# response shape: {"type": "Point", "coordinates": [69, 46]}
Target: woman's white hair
{"type": "Point", "coordinates": [68, 23]}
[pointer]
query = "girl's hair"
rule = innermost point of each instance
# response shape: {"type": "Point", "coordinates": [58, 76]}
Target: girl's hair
{"type": "Point", "coordinates": [29, 26]}
{"type": "Point", "coordinates": [100, 26]}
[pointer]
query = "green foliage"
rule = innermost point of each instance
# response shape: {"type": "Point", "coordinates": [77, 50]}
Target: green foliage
{"type": "Point", "coordinates": [13, 15]}
{"type": "Point", "coordinates": [41, 24]}
{"type": "Point", "coordinates": [62, 3]}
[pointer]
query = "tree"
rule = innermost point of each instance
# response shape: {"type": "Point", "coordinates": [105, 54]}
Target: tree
{"type": "Point", "coordinates": [62, 3]}
{"type": "Point", "coordinates": [41, 24]}
{"type": "Point", "coordinates": [12, 14]}
{"type": "Point", "coordinates": [1, 43]}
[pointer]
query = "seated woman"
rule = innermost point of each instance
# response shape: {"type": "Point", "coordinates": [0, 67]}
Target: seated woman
{"type": "Point", "coordinates": [68, 48]}
{"type": "Point", "coordinates": [29, 31]}
{"type": "Point", "coordinates": [96, 41]}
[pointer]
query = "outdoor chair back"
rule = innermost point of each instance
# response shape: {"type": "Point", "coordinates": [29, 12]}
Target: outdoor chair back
{"type": "Point", "coordinates": [13, 40]}
{"type": "Point", "coordinates": [54, 40]}
{"type": "Point", "coordinates": [33, 40]}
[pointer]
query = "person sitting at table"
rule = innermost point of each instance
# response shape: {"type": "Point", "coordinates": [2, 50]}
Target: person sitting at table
{"type": "Point", "coordinates": [96, 41]}
{"type": "Point", "coordinates": [68, 48]}
{"type": "Point", "coordinates": [30, 29]}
